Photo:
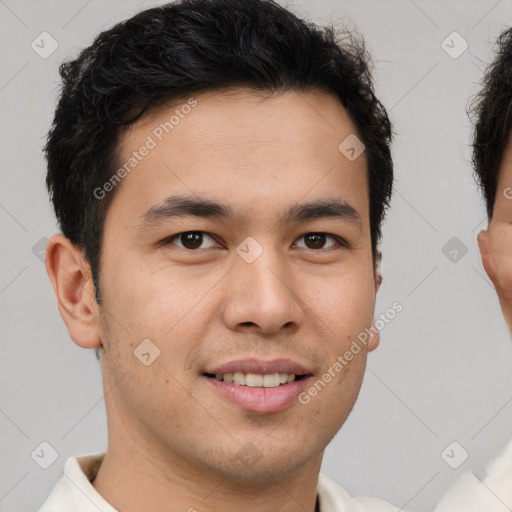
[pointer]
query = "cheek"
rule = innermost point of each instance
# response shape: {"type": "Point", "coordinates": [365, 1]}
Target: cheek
{"type": "Point", "coordinates": [344, 310]}
{"type": "Point", "coordinates": [155, 303]}
{"type": "Point", "coordinates": [332, 395]}
{"type": "Point", "coordinates": [347, 302]}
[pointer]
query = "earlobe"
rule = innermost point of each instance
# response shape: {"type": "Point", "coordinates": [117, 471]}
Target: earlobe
{"type": "Point", "coordinates": [70, 276]}
{"type": "Point", "coordinates": [485, 247]}
{"type": "Point", "coordinates": [378, 279]}
{"type": "Point", "coordinates": [374, 340]}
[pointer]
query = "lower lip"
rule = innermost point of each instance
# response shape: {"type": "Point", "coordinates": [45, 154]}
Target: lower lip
{"type": "Point", "coordinates": [259, 399]}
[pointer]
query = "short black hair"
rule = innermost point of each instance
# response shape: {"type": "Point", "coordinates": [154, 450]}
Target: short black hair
{"type": "Point", "coordinates": [184, 48]}
{"type": "Point", "coordinates": [491, 111]}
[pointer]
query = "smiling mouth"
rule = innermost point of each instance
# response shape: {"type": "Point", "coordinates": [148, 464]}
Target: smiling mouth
{"type": "Point", "coordinates": [255, 380]}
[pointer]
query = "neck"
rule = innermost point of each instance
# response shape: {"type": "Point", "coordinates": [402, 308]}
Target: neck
{"type": "Point", "coordinates": [131, 481]}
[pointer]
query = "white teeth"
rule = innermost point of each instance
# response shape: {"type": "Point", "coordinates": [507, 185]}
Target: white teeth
{"type": "Point", "coordinates": [271, 381]}
{"type": "Point", "coordinates": [252, 380]}
{"type": "Point", "coordinates": [239, 378]}
{"type": "Point", "coordinates": [255, 380]}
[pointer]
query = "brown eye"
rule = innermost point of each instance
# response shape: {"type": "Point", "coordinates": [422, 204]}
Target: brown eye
{"type": "Point", "coordinates": [318, 240]}
{"type": "Point", "coordinates": [190, 240]}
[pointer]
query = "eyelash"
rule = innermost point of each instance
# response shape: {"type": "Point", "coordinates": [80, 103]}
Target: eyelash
{"type": "Point", "coordinates": [340, 241]}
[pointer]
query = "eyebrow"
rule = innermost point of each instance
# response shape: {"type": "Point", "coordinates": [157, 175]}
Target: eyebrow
{"type": "Point", "coordinates": [184, 206]}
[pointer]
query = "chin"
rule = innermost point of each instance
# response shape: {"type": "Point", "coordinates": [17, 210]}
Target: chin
{"type": "Point", "coordinates": [253, 464]}
{"type": "Point", "coordinates": [265, 470]}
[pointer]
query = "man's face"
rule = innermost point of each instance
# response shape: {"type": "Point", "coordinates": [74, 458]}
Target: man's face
{"type": "Point", "coordinates": [496, 242]}
{"type": "Point", "coordinates": [251, 293]}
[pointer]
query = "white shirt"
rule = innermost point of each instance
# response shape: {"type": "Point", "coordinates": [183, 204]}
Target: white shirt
{"type": "Point", "coordinates": [74, 491]}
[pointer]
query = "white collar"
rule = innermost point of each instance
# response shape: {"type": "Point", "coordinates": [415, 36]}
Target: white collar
{"type": "Point", "coordinates": [74, 491]}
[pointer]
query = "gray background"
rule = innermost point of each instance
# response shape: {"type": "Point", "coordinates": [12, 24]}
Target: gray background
{"type": "Point", "coordinates": [443, 371]}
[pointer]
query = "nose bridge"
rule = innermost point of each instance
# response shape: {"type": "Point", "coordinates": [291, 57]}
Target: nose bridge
{"type": "Point", "coordinates": [262, 289]}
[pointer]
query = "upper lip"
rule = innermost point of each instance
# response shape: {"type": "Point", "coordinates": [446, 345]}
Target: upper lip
{"type": "Point", "coordinates": [260, 367]}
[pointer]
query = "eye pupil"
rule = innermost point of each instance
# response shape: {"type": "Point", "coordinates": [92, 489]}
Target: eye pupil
{"type": "Point", "coordinates": [195, 238]}
{"type": "Point", "coordinates": [318, 239]}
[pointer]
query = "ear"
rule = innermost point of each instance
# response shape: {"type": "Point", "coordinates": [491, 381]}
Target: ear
{"type": "Point", "coordinates": [485, 246]}
{"type": "Point", "coordinates": [71, 279]}
{"type": "Point", "coordinates": [498, 264]}
{"type": "Point", "coordinates": [374, 339]}
{"type": "Point", "coordinates": [376, 270]}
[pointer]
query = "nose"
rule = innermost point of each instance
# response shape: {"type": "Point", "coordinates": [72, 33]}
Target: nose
{"type": "Point", "coordinates": [263, 296]}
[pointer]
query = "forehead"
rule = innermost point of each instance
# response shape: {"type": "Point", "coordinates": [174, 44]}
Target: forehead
{"type": "Point", "coordinates": [255, 150]}
{"type": "Point", "coordinates": [243, 114]}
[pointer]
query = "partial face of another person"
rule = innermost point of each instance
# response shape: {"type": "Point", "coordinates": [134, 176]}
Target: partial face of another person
{"type": "Point", "coordinates": [496, 241]}
{"type": "Point", "coordinates": [263, 285]}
